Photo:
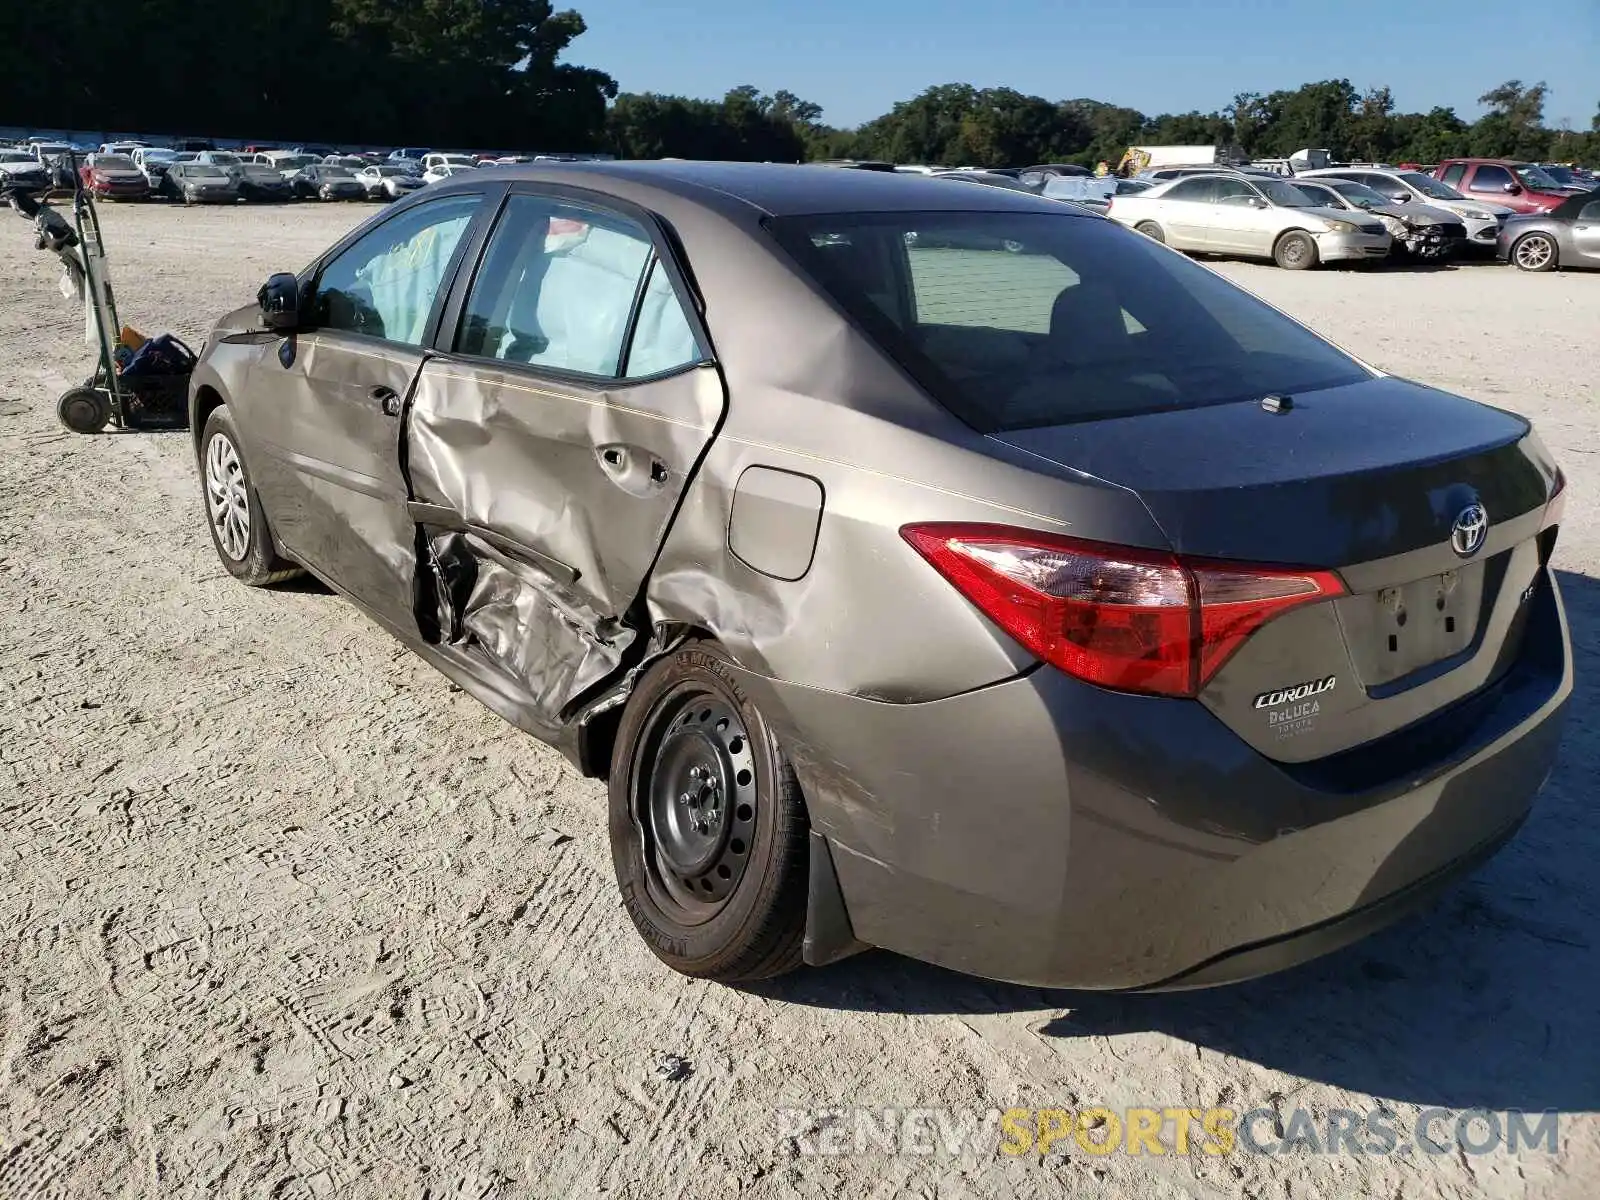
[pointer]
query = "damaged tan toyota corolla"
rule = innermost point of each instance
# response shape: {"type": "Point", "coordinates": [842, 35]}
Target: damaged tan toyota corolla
{"type": "Point", "coordinates": [924, 567]}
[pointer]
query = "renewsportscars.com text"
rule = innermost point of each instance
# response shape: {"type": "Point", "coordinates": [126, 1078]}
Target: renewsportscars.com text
{"type": "Point", "coordinates": [1165, 1130]}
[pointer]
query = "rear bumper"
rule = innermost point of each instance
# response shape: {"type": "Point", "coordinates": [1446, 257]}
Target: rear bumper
{"type": "Point", "coordinates": [1047, 832]}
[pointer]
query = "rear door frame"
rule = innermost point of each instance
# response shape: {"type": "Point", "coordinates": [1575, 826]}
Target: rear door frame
{"type": "Point", "coordinates": [508, 696]}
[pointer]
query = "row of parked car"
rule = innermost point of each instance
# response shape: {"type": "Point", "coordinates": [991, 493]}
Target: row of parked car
{"type": "Point", "coordinates": [1535, 216]}
{"type": "Point", "coordinates": [136, 171]}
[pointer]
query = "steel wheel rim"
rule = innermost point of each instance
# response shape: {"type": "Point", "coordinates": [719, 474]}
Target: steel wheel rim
{"type": "Point", "coordinates": [1533, 252]}
{"type": "Point", "coordinates": [1294, 250]}
{"type": "Point", "coordinates": [695, 806]}
{"type": "Point", "coordinates": [227, 499]}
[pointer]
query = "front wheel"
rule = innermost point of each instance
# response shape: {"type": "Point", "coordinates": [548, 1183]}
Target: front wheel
{"type": "Point", "coordinates": [1295, 252]}
{"type": "Point", "coordinates": [708, 827]}
{"type": "Point", "coordinates": [1535, 252]}
{"type": "Point", "coordinates": [233, 510]}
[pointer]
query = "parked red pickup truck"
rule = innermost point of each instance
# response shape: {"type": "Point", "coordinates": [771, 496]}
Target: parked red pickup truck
{"type": "Point", "coordinates": [1519, 185]}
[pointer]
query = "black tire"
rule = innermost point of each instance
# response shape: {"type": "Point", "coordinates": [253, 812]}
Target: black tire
{"type": "Point", "coordinates": [1295, 251]}
{"type": "Point", "coordinates": [256, 561]}
{"type": "Point", "coordinates": [1152, 231]}
{"type": "Point", "coordinates": [1535, 252]}
{"type": "Point", "coordinates": [736, 913]}
{"type": "Point", "coordinates": [84, 409]}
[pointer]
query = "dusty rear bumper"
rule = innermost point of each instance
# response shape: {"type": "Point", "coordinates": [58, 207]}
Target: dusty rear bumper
{"type": "Point", "coordinates": [1046, 832]}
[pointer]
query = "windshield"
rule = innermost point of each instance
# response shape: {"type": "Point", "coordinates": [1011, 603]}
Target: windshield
{"type": "Point", "coordinates": [257, 171]}
{"type": "Point", "coordinates": [293, 162]}
{"type": "Point", "coordinates": [338, 173]}
{"type": "Point", "coordinates": [1429, 186]}
{"type": "Point", "coordinates": [159, 156]}
{"type": "Point", "coordinates": [15, 156]}
{"type": "Point", "coordinates": [392, 172]}
{"type": "Point", "coordinates": [1360, 193]}
{"type": "Point", "coordinates": [1284, 195]}
{"type": "Point", "coordinates": [114, 162]}
{"type": "Point", "coordinates": [1535, 179]}
{"type": "Point", "coordinates": [1015, 320]}
{"type": "Point", "coordinates": [202, 171]}
{"type": "Point", "coordinates": [225, 160]}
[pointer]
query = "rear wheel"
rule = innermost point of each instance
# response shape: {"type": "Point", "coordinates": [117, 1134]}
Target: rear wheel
{"type": "Point", "coordinates": [708, 827]}
{"type": "Point", "coordinates": [84, 409]}
{"type": "Point", "coordinates": [233, 510]}
{"type": "Point", "coordinates": [1535, 252]}
{"type": "Point", "coordinates": [1151, 230]}
{"type": "Point", "coordinates": [1295, 251]}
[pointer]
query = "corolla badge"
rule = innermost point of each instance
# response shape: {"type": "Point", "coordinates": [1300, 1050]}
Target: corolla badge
{"type": "Point", "coordinates": [1470, 530]}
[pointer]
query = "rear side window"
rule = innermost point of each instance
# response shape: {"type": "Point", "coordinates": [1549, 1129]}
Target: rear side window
{"type": "Point", "coordinates": [1453, 175]}
{"type": "Point", "coordinates": [1590, 211]}
{"type": "Point", "coordinates": [559, 288]}
{"type": "Point", "coordinates": [1233, 191]}
{"type": "Point", "coordinates": [1199, 190]}
{"type": "Point", "coordinates": [1015, 320]}
{"type": "Point", "coordinates": [1489, 179]}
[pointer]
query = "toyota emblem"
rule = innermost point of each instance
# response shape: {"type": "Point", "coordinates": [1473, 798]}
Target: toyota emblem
{"type": "Point", "coordinates": [1470, 530]}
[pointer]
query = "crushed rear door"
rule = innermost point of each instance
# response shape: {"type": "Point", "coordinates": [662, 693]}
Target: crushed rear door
{"type": "Point", "coordinates": [540, 509]}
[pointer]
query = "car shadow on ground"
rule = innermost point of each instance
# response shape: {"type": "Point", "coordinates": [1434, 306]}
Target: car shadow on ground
{"type": "Point", "coordinates": [1491, 999]}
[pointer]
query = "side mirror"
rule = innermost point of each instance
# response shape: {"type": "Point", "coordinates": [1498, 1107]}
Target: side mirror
{"type": "Point", "coordinates": [1511, 189]}
{"type": "Point", "coordinates": [1256, 202]}
{"type": "Point", "coordinates": [1400, 197]}
{"type": "Point", "coordinates": [279, 298]}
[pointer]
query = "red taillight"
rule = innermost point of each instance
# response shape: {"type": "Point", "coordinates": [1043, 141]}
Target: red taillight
{"type": "Point", "coordinates": [1134, 620]}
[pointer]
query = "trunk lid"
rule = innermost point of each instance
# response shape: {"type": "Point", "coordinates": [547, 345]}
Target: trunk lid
{"type": "Point", "coordinates": [1370, 480]}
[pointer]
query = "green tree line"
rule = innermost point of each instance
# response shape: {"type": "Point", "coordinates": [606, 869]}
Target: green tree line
{"type": "Point", "coordinates": [418, 72]}
{"type": "Point", "coordinates": [957, 124]}
{"type": "Point", "coordinates": [492, 74]}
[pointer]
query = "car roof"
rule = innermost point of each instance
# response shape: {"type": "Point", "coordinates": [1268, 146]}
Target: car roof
{"type": "Point", "coordinates": [781, 189]}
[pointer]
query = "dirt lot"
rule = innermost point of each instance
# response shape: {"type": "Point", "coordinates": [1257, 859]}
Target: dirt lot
{"type": "Point", "coordinates": [282, 913]}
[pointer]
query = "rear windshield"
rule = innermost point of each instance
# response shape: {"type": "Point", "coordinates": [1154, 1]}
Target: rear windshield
{"type": "Point", "coordinates": [1015, 320]}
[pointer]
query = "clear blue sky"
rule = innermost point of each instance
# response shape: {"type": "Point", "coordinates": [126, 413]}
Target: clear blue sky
{"type": "Point", "coordinates": [857, 57]}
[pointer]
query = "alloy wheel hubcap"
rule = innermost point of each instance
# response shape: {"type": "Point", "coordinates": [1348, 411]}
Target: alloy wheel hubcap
{"type": "Point", "coordinates": [227, 498]}
{"type": "Point", "coordinates": [1534, 252]}
{"type": "Point", "coordinates": [1294, 251]}
{"type": "Point", "coordinates": [700, 803]}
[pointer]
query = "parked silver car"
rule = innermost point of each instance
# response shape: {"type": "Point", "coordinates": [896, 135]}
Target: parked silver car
{"type": "Point", "coordinates": [1250, 216]}
{"type": "Point", "coordinates": [1417, 229]}
{"type": "Point", "coordinates": [1481, 218]}
{"type": "Point", "coordinates": [1567, 236]}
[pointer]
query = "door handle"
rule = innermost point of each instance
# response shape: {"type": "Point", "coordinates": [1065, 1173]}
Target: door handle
{"type": "Point", "coordinates": [388, 399]}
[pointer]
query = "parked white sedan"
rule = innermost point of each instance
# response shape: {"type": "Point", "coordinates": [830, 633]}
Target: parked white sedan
{"type": "Point", "coordinates": [388, 182]}
{"type": "Point", "coordinates": [1251, 217]}
{"type": "Point", "coordinates": [442, 171]}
